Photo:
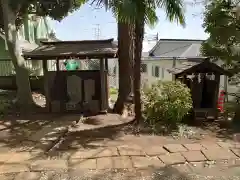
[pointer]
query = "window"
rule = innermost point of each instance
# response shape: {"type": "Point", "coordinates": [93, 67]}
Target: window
{"type": "Point", "coordinates": [144, 68]}
{"type": "Point", "coordinates": [155, 71]}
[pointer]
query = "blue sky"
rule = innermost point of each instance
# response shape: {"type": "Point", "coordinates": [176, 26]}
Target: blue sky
{"type": "Point", "coordinates": [82, 25]}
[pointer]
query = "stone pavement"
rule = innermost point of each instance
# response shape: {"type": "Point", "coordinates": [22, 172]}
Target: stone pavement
{"type": "Point", "coordinates": [42, 149]}
{"type": "Point", "coordinates": [120, 157]}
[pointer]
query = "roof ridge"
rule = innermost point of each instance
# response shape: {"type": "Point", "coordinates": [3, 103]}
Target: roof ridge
{"type": "Point", "coordinates": [80, 41]}
{"type": "Point", "coordinates": [182, 39]}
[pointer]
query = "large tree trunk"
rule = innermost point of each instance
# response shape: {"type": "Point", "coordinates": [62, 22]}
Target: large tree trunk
{"type": "Point", "coordinates": [125, 64]}
{"type": "Point", "coordinates": [139, 34]}
{"type": "Point", "coordinates": [24, 95]}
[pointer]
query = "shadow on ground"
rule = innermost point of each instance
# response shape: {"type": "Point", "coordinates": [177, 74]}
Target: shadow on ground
{"type": "Point", "coordinates": [90, 139]}
{"type": "Point", "coordinates": [222, 129]}
{"type": "Point", "coordinates": [36, 131]}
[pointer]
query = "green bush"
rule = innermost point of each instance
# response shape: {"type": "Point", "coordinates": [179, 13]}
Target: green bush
{"type": "Point", "coordinates": [166, 103]}
{"type": "Point", "coordinates": [4, 106]}
{"type": "Point", "coordinates": [229, 109]}
{"type": "Point", "coordinates": [113, 91]}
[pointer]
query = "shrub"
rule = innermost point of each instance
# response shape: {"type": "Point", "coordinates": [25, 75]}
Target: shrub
{"type": "Point", "coordinates": [166, 103]}
{"type": "Point", "coordinates": [4, 106]}
{"type": "Point", "coordinates": [113, 91]}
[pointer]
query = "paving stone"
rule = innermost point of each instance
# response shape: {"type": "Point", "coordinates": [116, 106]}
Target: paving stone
{"type": "Point", "coordinates": [192, 156]}
{"type": "Point", "coordinates": [128, 151]}
{"type": "Point", "coordinates": [236, 145]}
{"type": "Point", "coordinates": [83, 164]}
{"type": "Point", "coordinates": [43, 146]}
{"type": "Point", "coordinates": [49, 165]}
{"type": "Point", "coordinates": [7, 176]}
{"type": "Point", "coordinates": [13, 168]}
{"type": "Point", "coordinates": [21, 157]}
{"type": "Point", "coordinates": [237, 162]}
{"type": "Point", "coordinates": [123, 162]}
{"type": "Point", "coordinates": [52, 131]}
{"type": "Point", "coordinates": [226, 145]}
{"type": "Point", "coordinates": [4, 148]}
{"type": "Point", "coordinates": [236, 151]}
{"type": "Point", "coordinates": [108, 152]}
{"type": "Point", "coordinates": [155, 150]}
{"type": "Point", "coordinates": [194, 147]}
{"type": "Point", "coordinates": [28, 176]}
{"type": "Point", "coordinates": [172, 158]}
{"type": "Point", "coordinates": [5, 156]}
{"type": "Point", "coordinates": [210, 145]}
{"type": "Point", "coordinates": [175, 148]}
{"type": "Point", "coordinates": [218, 154]}
{"type": "Point", "coordinates": [94, 153]}
{"type": "Point", "coordinates": [144, 162]}
{"type": "Point", "coordinates": [104, 163]}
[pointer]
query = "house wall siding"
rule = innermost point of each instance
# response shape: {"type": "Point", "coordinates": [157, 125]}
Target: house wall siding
{"type": "Point", "coordinates": [31, 32]}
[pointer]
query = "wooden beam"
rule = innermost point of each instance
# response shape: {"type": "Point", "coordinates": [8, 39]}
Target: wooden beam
{"type": "Point", "coordinates": [79, 56]}
{"type": "Point", "coordinates": [103, 87]}
{"type": "Point", "coordinates": [217, 79]}
{"type": "Point", "coordinates": [46, 87]}
{"type": "Point", "coordinates": [174, 77]}
{"type": "Point", "coordinates": [57, 65]}
{"type": "Point", "coordinates": [106, 64]}
{"type": "Point", "coordinates": [106, 82]}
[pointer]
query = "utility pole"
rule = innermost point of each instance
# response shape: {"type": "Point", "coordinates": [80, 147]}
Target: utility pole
{"type": "Point", "coordinates": [97, 31]}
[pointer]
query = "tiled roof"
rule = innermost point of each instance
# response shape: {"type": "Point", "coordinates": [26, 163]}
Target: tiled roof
{"type": "Point", "coordinates": [177, 48]}
{"type": "Point", "coordinates": [199, 67]}
{"type": "Point", "coordinates": [77, 49]}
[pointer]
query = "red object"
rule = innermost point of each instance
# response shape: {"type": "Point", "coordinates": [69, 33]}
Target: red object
{"type": "Point", "coordinates": [221, 100]}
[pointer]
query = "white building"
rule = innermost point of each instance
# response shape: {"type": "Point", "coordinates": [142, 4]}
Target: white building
{"type": "Point", "coordinates": [160, 55]}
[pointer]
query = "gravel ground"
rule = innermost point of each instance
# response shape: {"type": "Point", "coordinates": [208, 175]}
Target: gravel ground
{"type": "Point", "coordinates": [167, 173]}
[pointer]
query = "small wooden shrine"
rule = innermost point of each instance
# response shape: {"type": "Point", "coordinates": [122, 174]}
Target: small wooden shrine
{"type": "Point", "coordinates": [203, 79]}
{"type": "Point", "coordinates": [76, 90]}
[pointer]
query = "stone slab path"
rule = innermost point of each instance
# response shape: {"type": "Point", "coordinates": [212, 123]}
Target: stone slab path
{"type": "Point", "coordinates": [59, 149]}
{"type": "Point", "coordinates": [120, 157]}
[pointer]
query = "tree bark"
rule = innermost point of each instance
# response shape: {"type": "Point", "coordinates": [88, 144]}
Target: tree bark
{"type": "Point", "coordinates": [125, 64]}
{"type": "Point", "coordinates": [24, 95]}
{"type": "Point", "coordinates": [139, 34]}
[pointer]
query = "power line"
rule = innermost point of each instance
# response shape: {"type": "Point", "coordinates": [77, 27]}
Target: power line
{"type": "Point", "coordinates": [97, 31]}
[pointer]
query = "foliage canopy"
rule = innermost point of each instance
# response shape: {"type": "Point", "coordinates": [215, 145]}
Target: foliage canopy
{"type": "Point", "coordinates": [223, 25]}
{"type": "Point", "coordinates": [56, 9]}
